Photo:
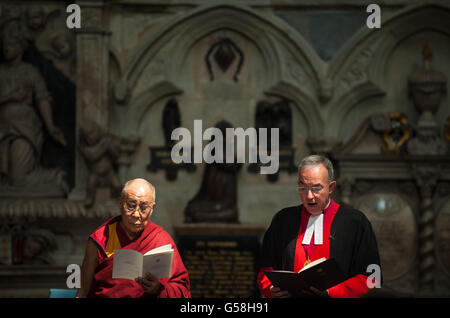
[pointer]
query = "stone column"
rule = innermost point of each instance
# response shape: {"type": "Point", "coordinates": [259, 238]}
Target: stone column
{"type": "Point", "coordinates": [427, 88]}
{"type": "Point", "coordinates": [92, 41]}
{"type": "Point", "coordinates": [426, 177]}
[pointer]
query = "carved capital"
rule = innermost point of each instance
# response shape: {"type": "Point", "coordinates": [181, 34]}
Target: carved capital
{"type": "Point", "coordinates": [426, 176]}
{"type": "Point", "coordinates": [121, 92]}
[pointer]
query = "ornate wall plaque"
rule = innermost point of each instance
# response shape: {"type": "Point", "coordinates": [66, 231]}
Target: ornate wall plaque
{"type": "Point", "coordinates": [221, 258]}
{"type": "Point", "coordinates": [395, 228]}
{"type": "Point", "coordinates": [398, 132]}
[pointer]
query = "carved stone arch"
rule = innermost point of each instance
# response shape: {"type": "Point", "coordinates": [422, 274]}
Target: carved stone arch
{"type": "Point", "coordinates": [139, 105]}
{"type": "Point", "coordinates": [359, 69]}
{"type": "Point", "coordinates": [306, 106]}
{"type": "Point", "coordinates": [274, 38]}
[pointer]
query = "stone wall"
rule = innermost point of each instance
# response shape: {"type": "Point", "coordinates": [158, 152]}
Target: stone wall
{"type": "Point", "coordinates": [131, 57]}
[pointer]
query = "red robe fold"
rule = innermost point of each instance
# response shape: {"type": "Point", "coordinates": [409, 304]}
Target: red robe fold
{"type": "Point", "coordinates": [153, 236]}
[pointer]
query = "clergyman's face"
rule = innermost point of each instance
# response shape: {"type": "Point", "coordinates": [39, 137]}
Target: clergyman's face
{"type": "Point", "coordinates": [314, 188]}
{"type": "Point", "coordinates": [136, 206]}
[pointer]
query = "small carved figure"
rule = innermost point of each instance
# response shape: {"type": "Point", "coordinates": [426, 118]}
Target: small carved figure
{"type": "Point", "coordinates": [62, 46]}
{"type": "Point", "coordinates": [101, 152]}
{"type": "Point", "coordinates": [36, 17]}
{"type": "Point", "coordinates": [38, 245]}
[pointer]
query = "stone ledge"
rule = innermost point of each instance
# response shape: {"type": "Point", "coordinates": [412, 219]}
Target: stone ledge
{"type": "Point", "coordinates": [219, 229]}
{"type": "Point", "coordinates": [58, 208]}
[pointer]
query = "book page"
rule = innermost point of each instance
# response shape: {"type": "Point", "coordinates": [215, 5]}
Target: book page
{"type": "Point", "coordinates": [314, 263]}
{"type": "Point", "coordinates": [163, 248]}
{"type": "Point", "coordinates": [159, 264]}
{"type": "Point", "coordinates": [127, 264]}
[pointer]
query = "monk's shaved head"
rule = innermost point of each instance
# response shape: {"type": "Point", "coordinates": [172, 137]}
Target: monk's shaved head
{"type": "Point", "coordinates": [138, 183]}
{"type": "Point", "coordinates": [136, 205]}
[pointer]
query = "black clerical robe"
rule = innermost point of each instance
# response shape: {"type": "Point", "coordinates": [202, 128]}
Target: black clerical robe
{"type": "Point", "coordinates": [349, 239]}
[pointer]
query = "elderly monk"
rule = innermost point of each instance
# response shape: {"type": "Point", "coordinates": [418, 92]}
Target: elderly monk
{"type": "Point", "coordinates": [318, 228]}
{"type": "Point", "coordinates": [130, 230]}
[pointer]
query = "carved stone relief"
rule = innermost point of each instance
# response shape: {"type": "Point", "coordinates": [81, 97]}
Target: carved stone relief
{"type": "Point", "coordinates": [21, 128]}
{"type": "Point", "coordinates": [101, 152]}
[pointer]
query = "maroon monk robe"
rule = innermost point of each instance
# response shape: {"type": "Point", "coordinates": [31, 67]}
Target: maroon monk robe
{"type": "Point", "coordinates": [153, 236]}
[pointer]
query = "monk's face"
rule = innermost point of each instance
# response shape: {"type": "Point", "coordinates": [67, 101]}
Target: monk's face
{"type": "Point", "coordinates": [314, 188]}
{"type": "Point", "coordinates": [136, 206]}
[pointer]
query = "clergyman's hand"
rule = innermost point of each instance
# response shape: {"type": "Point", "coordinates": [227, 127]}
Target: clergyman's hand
{"type": "Point", "coordinates": [150, 283]}
{"type": "Point", "coordinates": [314, 292]}
{"type": "Point", "coordinates": [276, 292]}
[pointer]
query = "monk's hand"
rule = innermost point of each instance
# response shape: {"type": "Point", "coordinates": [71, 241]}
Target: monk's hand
{"type": "Point", "coordinates": [276, 292]}
{"type": "Point", "coordinates": [150, 283]}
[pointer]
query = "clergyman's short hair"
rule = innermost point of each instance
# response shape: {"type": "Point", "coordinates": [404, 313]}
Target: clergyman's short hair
{"type": "Point", "coordinates": [314, 160]}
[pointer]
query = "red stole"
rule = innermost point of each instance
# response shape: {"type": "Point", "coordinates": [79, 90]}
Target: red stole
{"type": "Point", "coordinates": [311, 251]}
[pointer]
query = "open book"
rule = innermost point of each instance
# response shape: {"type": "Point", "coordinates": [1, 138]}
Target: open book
{"type": "Point", "coordinates": [321, 274]}
{"type": "Point", "coordinates": [131, 264]}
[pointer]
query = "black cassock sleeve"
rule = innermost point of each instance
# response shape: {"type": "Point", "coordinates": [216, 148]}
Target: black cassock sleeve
{"type": "Point", "coordinates": [279, 242]}
{"type": "Point", "coordinates": [352, 242]}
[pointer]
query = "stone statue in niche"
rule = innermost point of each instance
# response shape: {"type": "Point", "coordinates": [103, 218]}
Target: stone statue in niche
{"type": "Point", "coordinates": [101, 152]}
{"type": "Point", "coordinates": [171, 120]}
{"type": "Point", "coordinates": [160, 157]}
{"type": "Point", "coordinates": [24, 101]}
{"type": "Point", "coordinates": [224, 52]}
{"type": "Point", "coordinates": [216, 201]}
{"type": "Point", "coordinates": [38, 245]}
{"type": "Point", "coordinates": [427, 88]}
{"type": "Point", "coordinates": [276, 115]}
